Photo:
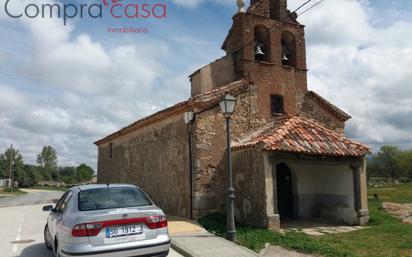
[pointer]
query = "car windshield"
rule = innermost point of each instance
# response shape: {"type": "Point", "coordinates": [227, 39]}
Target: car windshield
{"type": "Point", "coordinates": [112, 197]}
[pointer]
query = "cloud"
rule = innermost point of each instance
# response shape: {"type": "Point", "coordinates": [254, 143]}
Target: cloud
{"type": "Point", "coordinates": [362, 68]}
{"type": "Point", "coordinates": [76, 90]}
{"type": "Point", "coordinates": [195, 3]}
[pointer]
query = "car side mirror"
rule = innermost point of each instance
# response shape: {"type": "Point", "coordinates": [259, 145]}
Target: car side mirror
{"type": "Point", "coordinates": [48, 208]}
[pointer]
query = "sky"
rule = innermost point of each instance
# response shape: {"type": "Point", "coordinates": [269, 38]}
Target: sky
{"type": "Point", "coordinates": [69, 85]}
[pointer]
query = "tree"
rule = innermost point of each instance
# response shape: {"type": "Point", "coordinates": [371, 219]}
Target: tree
{"type": "Point", "coordinates": [68, 175]}
{"type": "Point", "coordinates": [84, 173]}
{"type": "Point", "coordinates": [30, 176]}
{"type": "Point", "coordinates": [47, 158]}
{"type": "Point", "coordinates": [405, 163]}
{"type": "Point", "coordinates": [16, 158]}
{"type": "Point", "coordinates": [67, 171]}
{"type": "Point", "coordinates": [47, 161]}
{"type": "Point", "coordinates": [387, 160]}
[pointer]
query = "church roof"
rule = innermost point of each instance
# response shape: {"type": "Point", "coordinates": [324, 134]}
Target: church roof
{"type": "Point", "coordinates": [300, 135]}
{"type": "Point", "coordinates": [198, 102]}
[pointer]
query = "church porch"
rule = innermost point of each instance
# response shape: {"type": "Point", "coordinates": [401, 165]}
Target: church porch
{"type": "Point", "coordinates": [295, 169]}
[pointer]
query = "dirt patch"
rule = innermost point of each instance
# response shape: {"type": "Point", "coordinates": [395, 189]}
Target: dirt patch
{"type": "Point", "coordinates": [277, 251]}
{"type": "Point", "coordinates": [400, 211]}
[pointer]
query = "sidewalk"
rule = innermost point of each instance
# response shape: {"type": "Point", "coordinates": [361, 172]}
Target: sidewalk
{"type": "Point", "coordinates": [191, 240]}
{"type": "Point", "coordinates": [204, 244]}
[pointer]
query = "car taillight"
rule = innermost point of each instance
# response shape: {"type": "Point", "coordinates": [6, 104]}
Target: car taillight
{"type": "Point", "coordinates": [155, 222]}
{"type": "Point", "coordinates": [88, 229]}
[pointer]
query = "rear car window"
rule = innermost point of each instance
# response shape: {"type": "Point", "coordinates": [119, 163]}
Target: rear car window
{"type": "Point", "coordinates": [112, 197]}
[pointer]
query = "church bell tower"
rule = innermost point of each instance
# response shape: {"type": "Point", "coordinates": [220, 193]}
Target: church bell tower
{"type": "Point", "coordinates": [267, 45]}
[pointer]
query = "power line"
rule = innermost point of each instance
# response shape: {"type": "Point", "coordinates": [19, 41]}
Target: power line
{"type": "Point", "coordinates": [282, 20]}
{"type": "Point", "coordinates": [277, 24]}
{"type": "Point", "coordinates": [33, 76]}
{"type": "Point", "coordinates": [300, 14]}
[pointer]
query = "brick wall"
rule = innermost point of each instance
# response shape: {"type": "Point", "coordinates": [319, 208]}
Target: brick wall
{"type": "Point", "coordinates": [271, 77]}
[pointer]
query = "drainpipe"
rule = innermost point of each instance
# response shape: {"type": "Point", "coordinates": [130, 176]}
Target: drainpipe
{"type": "Point", "coordinates": [189, 118]}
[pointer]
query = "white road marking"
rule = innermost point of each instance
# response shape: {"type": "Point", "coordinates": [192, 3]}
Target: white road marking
{"type": "Point", "coordinates": [20, 230]}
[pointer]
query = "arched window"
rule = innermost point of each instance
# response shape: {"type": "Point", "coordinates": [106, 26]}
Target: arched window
{"type": "Point", "coordinates": [288, 49]}
{"type": "Point", "coordinates": [262, 44]}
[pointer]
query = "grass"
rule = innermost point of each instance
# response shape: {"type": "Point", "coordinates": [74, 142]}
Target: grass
{"type": "Point", "coordinates": [8, 192]}
{"type": "Point", "coordinates": [401, 193]}
{"type": "Point", "coordinates": [385, 237]}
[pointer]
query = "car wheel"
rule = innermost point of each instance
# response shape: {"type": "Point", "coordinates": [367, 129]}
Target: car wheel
{"type": "Point", "coordinates": [165, 254]}
{"type": "Point", "coordinates": [47, 238]}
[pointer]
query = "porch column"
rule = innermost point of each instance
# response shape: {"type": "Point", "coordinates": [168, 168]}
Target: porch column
{"type": "Point", "coordinates": [360, 191]}
{"type": "Point", "coordinates": [273, 220]}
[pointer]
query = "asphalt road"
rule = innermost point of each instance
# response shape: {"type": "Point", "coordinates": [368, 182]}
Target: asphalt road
{"type": "Point", "coordinates": [33, 197]}
{"type": "Point", "coordinates": [21, 225]}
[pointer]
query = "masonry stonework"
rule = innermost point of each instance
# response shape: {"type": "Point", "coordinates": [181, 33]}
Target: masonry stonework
{"type": "Point", "coordinates": [154, 158]}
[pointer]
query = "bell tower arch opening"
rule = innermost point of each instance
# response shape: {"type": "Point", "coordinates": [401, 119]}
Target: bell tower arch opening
{"type": "Point", "coordinates": [262, 43]}
{"type": "Point", "coordinates": [288, 43]}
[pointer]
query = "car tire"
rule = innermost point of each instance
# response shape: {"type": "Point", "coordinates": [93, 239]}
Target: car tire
{"type": "Point", "coordinates": [164, 254]}
{"type": "Point", "coordinates": [47, 238]}
{"type": "Point", "coordinates": [57, 249]}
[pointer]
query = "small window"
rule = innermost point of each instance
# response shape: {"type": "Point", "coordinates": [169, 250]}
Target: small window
{"type": "Point", "coordinates": [110, 151]}
{"type": "Point", "coordinates": [276, 104]}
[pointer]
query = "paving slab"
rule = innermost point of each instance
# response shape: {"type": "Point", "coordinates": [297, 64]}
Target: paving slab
{"type": "Point", "coordinates": [204, 244]}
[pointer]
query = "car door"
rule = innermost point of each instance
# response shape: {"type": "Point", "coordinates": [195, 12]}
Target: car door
{"type": "Point", "coordinates": [63, 231]}
{"type": "Point", "coordinates": [52, 220]}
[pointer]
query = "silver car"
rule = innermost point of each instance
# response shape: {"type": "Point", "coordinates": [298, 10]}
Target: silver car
{"type": "Point", "coordinates": [105, 221]}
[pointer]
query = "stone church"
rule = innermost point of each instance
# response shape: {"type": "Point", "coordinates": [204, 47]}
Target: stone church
{"type": "Point", "coordinates": [291, 159]}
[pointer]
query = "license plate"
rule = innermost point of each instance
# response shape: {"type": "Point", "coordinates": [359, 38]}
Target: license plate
{"type": "Point", "coordinates": [124, 231]}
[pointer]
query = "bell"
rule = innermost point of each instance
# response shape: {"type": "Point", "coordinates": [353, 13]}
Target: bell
{"type": "Point", "coordinates": [259, 52]}
{"type": "Point", "coordinates": [285, 57]}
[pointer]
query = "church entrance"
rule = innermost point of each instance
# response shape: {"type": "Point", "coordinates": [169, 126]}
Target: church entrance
{"type": "Point", "coordinates": [284, 191]}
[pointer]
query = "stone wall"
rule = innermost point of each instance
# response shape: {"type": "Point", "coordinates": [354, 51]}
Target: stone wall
{"type": "Point", "coordinates": [310, 109]}
{"type": "Point", "coordinates": [155, 158]}
{"type": "Point", "coordinates": [249, 181]}
{"type": "Point", "coordinates": [213, 75]}
{"type": "Point", "coordinates": [210, 149]}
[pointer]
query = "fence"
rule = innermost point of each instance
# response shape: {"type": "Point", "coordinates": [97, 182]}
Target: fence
{"type": "Point", "coordinates": [5, 183]}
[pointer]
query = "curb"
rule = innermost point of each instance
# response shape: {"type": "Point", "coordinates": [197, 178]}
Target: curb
{"type": "Point", "coordinates": [182, 250]}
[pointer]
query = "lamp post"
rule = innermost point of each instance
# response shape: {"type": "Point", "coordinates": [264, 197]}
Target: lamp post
{"type": "Point", "coordinates": [189, 118]}
{"type": "Point", "coordinates": [11, 167]}
{"type": "Point", "coordinates": [228, 105]}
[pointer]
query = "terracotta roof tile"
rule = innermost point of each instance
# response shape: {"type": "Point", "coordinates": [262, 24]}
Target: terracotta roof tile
{"type": "Point", "coordinates": [301, 135]}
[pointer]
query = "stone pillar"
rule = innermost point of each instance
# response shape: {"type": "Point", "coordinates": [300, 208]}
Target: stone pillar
{"type": "Point", "coordinates": [360, 191]}
{"type": "Point", "coordinates": [273, 219]}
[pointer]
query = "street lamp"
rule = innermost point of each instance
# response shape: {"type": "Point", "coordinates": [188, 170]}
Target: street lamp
{"type": "Point", "coordinates": [189, 118]}
{"type": "Point", "coordinates": [228, 105]}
